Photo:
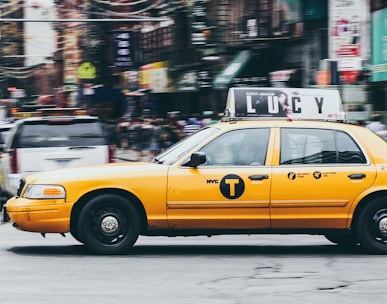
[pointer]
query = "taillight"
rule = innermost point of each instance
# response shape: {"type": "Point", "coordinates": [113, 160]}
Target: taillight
{"type": "Point", "coordinates": [13, 161]}
{"type": "Point", "coordinates": [111, 154]}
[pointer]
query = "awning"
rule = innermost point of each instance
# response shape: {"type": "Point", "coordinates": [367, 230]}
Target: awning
{"type": "Point", "coordinates": [224, 79]}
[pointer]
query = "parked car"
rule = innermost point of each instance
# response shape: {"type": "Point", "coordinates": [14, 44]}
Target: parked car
{"type": "Point", "coordinates": [5, 129]}
{"type": "Point", "coordinates": [281, 161]}
{"type": "Point", "coordinates": [53, 138]}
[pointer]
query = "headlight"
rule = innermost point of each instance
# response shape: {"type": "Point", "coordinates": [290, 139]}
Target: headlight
{"type": "Point", "coordinates": [44, 192]}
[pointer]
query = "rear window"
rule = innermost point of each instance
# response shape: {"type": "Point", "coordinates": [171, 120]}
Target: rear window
{"type": "Point", "coordinates": [59, 133]}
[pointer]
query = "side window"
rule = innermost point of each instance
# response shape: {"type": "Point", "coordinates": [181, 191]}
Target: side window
{"type": "Point", "coordinates": [238, 148]}
{"type": "Point", "coordinates": [348, 150]}
{"type": "Point", "coordinates": [318, 146]}
{"type": "Point", "coordinates": [303, 146]}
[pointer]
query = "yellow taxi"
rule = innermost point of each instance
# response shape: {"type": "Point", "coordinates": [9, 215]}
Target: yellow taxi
{"type": "Point", "coordinates": [281, 161]}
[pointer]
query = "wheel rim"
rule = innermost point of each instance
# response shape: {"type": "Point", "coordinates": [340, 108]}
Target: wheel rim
{"type": "Point", "coordinates": [110, 226]}
{"type": "Point", "coordinates": [379, 226]}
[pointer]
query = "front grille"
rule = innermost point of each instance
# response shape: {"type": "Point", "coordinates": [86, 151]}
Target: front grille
{"type": "Point", "coordinates": [21, 186]}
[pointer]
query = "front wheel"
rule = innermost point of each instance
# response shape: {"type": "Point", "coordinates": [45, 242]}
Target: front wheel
{"type": "Point", "coordinates": [345, 241]}
{"type": "Point", "coordinates": [109, 224]}
{"type": "Point", "coordinates": [371, 226]}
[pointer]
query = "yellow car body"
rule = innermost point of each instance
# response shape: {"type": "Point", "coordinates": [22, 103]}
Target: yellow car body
{"type": "Point", "coordinates": [185, 192]}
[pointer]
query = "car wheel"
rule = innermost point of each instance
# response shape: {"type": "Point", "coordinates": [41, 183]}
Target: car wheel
{"type": "Point", "coordinates": [371, 226]}
{"type": "Point", "coordinates": [109, 224]}
{"type": "Point", "coordinates": [75, 234]}
{"type": "Point", "coordinates": [345, 241]}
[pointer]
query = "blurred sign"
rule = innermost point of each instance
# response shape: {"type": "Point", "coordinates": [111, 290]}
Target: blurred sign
{"type": "Point", "coordinates": [252, 28]}
{"type": "Point", "coordinates": [187, 82]}
{"type": "Point", "coordinates": [295, 103]}
{"type": "Point", "coordinates": [379, 41]}
{"type": "Point", "coordinates": [348, 35]}
{"type": "Point", "coordinates": [18, 93]}
{"type": "Point", "coordinates": [155, 76]}
{"type": "Point", "coordinates": [71, 57]}
{"type": "Point", "coordinates": [350, 76]}
{"type": "Point", "coordinates": [323, 78]}
{"type": "Point", "coordinates": [86, 71]}
{"type": "Point", "coordinates": [204, 79]}
{"type": "Point", "coordinates": [199, 23]}
{"type": "Point", "coordinates": [122, 49]}
{"type": "Point", "coordinates": [159, 81]}
{"type": "Point", "coordinates": [130, 80]}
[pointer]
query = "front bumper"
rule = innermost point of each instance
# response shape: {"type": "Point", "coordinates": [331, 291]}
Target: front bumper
{"type": "Point", "coordinates": [44, 216]}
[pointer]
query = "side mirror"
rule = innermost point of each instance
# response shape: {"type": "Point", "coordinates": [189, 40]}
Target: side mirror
{"type": "Point", "coordinates": [197, 158]}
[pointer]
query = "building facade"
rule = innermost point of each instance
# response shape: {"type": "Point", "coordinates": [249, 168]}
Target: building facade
{"type": "Point", "coordinates": [155, 57]}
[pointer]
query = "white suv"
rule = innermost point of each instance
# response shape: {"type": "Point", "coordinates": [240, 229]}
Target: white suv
{"type": "Point", "coordinates": [50, 142]}
{"type": "Point", "coordinates": [5, 130]}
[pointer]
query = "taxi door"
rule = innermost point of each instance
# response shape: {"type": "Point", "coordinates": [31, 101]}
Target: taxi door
{"type": "Point", "coordinates": [230, 191]}
{"type": "Point", "coordinates": [319, 174]}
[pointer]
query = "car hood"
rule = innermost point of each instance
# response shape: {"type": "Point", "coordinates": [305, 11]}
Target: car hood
{"type": "Point", "coordinates": [106, 172]}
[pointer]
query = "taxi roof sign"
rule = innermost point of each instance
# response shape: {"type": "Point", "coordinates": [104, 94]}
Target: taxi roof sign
{"type": "Point", "coordinates": [291, 103]}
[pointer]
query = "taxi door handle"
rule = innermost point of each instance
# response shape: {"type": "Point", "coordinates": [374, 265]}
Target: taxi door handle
{"type": "Point", "coordinates": [357, 176]}
{"type": "Point", "coordinates": [258, 177]}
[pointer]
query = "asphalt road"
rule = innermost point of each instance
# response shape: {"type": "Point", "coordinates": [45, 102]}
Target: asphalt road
{"type": "Point", "coordinates": [221, 269]}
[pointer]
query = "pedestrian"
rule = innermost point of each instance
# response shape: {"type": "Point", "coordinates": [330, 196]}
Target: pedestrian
{"type": "Point", "coordinates": [135, 130]}
{"type": "Point", "coordinates": [154, 146]}
{"type": "Point", "coordinates": [122, 130]}
{"type": "Point", "coordinates": [145, 137]}
{"type": "Point", "coordinates": [376, 125]}
{"type": "Point", "coordinates": [193, 125]}
{"type": "Point", "coordinates": [208, 118]}
{"type": "Point", "coordinates": [111, 130]}
{"type": "Point", "coordinates": [169, 134]}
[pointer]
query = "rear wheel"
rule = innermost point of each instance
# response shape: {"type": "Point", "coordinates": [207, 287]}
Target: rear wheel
{"type": "Point", "coordinates": [109, 224]}
{"type": "Point", "coordinates": [371, 226]}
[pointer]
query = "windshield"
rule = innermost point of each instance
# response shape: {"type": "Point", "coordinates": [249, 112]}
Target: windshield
{"type": "Point", "coordinates": [177, 151]}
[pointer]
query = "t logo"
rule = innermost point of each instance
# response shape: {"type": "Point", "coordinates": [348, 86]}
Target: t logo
{"type": "Point", "coordinates": [232, 186]}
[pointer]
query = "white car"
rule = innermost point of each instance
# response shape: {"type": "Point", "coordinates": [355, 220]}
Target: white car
{"type": "Point", "coordinates": [5, 130]}
{"type": "Point", "coordinates": [50, 142]}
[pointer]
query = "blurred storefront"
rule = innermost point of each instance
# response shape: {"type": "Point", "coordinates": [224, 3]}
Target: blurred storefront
{"type": "Point", "coordinates": [187, 62]}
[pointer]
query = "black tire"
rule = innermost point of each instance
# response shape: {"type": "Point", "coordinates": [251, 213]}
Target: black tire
{"type": "Point", "coordinates": [75, 234]}
{"type": "Point", "coordinates": [109, 224]}
{"type": "Point", "coordinates": [371, 226]}
{"type": "Point", "coordinates": [345, 241]}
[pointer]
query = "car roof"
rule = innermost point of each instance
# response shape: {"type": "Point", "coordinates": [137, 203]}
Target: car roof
{"type": "Point", "coordinates": [6, 125]}
{"type": "Point", "coordinates": [236, 124]}
{"type": "Point", "coordinates": [53, 118]}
